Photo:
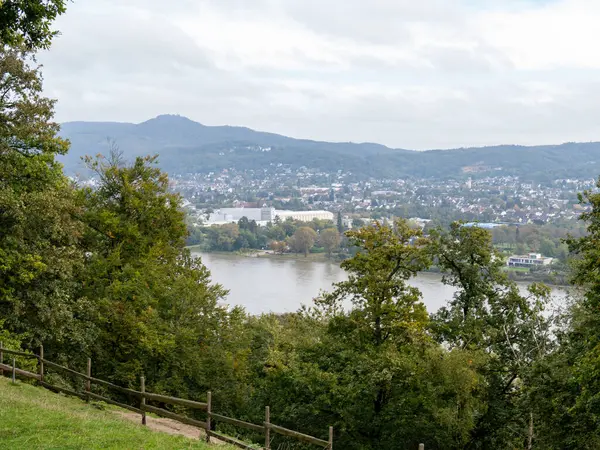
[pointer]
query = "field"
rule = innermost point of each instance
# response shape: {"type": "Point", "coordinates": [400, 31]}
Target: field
{"type": "Point", "coordinates": [34, 418]}
{"type": "Point", "coordinates": [517, 269]}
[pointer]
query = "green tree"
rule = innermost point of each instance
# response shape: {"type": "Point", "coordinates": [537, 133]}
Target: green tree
{"type": "Point", "coordinates": [385, 305]}
{"type": "Point", "coordinates": [303, 240]}
{"type": "Point", "coordinates": [340, 224]}
{"type": "Point", "coordinates": [567, 394]}
{"type": "Point", "coordinates": [39, 239]}
{"type": "Point", "coordinates": [489, 315]}
{"type": "Point", "coordinates": [226, 236]}
{"type": "Point", "coordinates": [547, 248]}
{"type": "Point", "coordinates": [152, 299]}
{"type": "Point", "coordinates": [28, 22]}
{"type": "Point", "coordinates": [379, 358]}
{"type": "Point", "coordinates": [357, 223]}
{"type": "Point", "coordinates": [329, 239]}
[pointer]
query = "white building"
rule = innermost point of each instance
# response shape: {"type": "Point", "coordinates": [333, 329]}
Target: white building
{"type": "Point", "coordinates": [262, 216]}
{"type": "Point", "coordinates": [530, 260]}
{"type": "Point", "coordinates": [305, 216]}
{"type": "Point", "coordinates": [267, 214]}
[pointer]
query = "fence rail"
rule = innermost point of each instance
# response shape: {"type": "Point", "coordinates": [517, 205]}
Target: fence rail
{"type": "Point", "coordinates": [265, 428]}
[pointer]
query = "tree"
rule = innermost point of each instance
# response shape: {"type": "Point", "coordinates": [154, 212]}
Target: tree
{"type": "Point", "coordinates": [39, 239]}
{"type": "Point", "coordinates": [150, 296]}
{"type": "Point", "coordinates": [303, 240]}
{"type": "Point", "coordinates": [568, 390]}
{"type": "Point", "coordinates": [378, 354]}
{"type": "Point", "coordinates": [244, 223]}
{"type": "Point", "coordinates": [340, 224]}
{"type": "Point", "coordinates": [357, 223]}
{"type": "Point", "coordinates": [489, 315]}
{"type": "Point", "coordinates": [547, 248]}
{"type": "Point", "coordinates": [28, 22]}
{"type": "Point", "coordinates": [329, 239]}
{"type": "Point", "coordinates": [226, 236]}
{"type": "Point", "coordinates": [278, 246]}
{"type": "Point", "coordinates": [386, 307]}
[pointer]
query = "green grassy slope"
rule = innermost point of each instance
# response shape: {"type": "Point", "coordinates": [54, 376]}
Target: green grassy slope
{"type": "Point", "coordinates": [34, 418]}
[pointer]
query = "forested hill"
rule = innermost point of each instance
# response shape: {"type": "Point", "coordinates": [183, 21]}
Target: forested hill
{"type": "Point", "coordinates": [188, 146]}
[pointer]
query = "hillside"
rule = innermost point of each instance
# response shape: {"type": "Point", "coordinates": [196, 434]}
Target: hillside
{"type": "Point", "coordinates": [186, 146]}
{"type": "Point", "coordinates": [34, 418]}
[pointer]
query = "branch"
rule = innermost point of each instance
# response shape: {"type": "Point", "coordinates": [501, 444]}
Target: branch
{"type": "Point", "coordinates": [509, 383]}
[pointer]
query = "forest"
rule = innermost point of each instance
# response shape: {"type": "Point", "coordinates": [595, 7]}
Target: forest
{"type": "Point", "coordinates": [190, 147]}
{"type": "Point", "coordinates": [104, 272]}
{"type": "Point", "coordinates": [317, 236]}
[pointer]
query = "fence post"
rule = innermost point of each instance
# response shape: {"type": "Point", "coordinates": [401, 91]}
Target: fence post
{"type": "Point", "coordinates": [1, 358]}
{"type": "Point", "coordinates": [14, 371]}
{"type": "Point", "coordinates": [208, 410]}
{"type": "Point", "coordinates": [421, 446]}
{"type": "Point", "coordinates": [41, 365]}
{"type": "Point", "coordinates": [143, 391]}
{"type": "Point", "coordinates": [267, 428]}
{"type": "Point", "coordinates": [88, 383]}
{"type": "Point", "coordinates": [330, 439]}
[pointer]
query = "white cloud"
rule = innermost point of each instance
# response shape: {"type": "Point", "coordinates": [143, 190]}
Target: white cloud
{"type": "Point", "coordinates": [558, 34]}
{"type": "Point", "coordinates": [432, 73]}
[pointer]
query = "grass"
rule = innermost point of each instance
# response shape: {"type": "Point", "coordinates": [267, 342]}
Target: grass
{"type": "Point", "coordinates": [34, 418]}
{"type": "Point", "coordinates": [516, 269]}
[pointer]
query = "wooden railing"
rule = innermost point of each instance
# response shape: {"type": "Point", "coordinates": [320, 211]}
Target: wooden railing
{"type": "Point", "coordinates": [142, 396]}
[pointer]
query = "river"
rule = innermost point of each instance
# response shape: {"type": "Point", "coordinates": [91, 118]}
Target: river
{"type": "Point", "coordinates": [266, 284]}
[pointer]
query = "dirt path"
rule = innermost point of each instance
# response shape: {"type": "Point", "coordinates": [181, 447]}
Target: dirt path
{"type": "Point", "coordinates": [168, 426]}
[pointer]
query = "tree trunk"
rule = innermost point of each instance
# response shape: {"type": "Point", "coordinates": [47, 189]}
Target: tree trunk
{"type": "Point", "coordinates": [530, 433]}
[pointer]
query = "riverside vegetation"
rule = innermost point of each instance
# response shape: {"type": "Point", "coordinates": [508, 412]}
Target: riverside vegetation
{"type": "Point", "coordinates": [104, 273]}
{"type": "Point", "coordinates": [322, 238]}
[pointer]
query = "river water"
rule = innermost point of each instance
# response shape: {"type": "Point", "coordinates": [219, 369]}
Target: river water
{"type": "Point", "coordinates": [267, 284]}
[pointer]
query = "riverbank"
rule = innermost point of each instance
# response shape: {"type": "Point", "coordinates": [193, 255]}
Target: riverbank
{"type": "Point", "coordinates": [282, 284]}
{"type": "Point", "coordinates": [524, 275]}
{"type": "Point", "coordinates": [559, 280]}
{"type": "Point", "coordinates": [317, 257]}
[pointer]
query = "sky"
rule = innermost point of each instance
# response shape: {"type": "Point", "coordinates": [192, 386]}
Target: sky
{"type": "Point", "coordinates": [408, 74]}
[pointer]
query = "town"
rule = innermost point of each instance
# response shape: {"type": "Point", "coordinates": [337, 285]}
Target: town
{"type": "Point", "coordinates": [493, 199]}
{"type": "Point", "coordinates": [528, 219]}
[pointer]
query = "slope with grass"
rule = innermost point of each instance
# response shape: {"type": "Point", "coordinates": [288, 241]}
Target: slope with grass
{"type": "Point", "coordinates": [33, 418]}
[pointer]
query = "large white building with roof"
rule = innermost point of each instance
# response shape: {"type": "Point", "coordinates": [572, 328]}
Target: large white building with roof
{"type": "Point", "coordinates": [263, 216]}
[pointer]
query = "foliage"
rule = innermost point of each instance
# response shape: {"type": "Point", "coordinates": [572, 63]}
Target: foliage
{"type": "Point", "coordinates": [385, 305]}
{"type": "Point", "coordinates": [303, 240]}
{"type": "Point", "coordinates": [151, 297]}
{"type": "Point", "coordinates": [329, 239]}
{"type": "Point", "coordinates": [377, 357]}
{"type": "Point", "coordinates": [567, 387]}
{"type": "Point", "coordinates": [28, 22]}
{"type": "Point", "coordinates": [38, 251]}
{"type": "Point", "coordinates": [489, 315]}
{"type": "Point", "coordinates": [12, 341]}
{"type": "Point", "coordinates": [279, 236]}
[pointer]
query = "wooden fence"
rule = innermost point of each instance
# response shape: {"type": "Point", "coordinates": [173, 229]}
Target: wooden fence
{"type": "Point", "coordinates": [142, 397]}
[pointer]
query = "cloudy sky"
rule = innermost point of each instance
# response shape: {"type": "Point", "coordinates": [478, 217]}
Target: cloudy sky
{"type": "Point", "coordinates": [405, 73]}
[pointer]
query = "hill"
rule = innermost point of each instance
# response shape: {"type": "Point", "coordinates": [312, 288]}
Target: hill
{"type": "Point", "coordinates": [34, 418]}
{"type": "Point", "coordinates": [186, 146]}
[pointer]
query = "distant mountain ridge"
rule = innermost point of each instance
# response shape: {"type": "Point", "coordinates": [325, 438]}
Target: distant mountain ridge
{"type": "Point", "coordinates": [186, 146]}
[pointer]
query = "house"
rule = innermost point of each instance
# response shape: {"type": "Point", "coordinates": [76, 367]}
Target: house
{"type": "Point", "coordinates": [530, 260]}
